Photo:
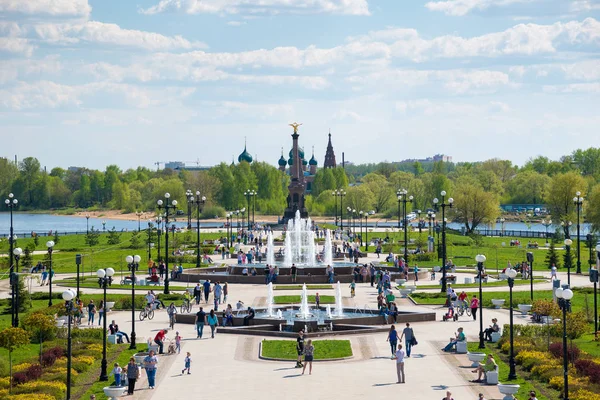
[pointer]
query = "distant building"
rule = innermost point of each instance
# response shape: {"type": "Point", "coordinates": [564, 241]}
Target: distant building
{"type": "Point", "coordinates": [74, 169]}
{"type": "Point", "coordinates": [175, 165]}
{"type": "Point", "coordinates": [435, 158]}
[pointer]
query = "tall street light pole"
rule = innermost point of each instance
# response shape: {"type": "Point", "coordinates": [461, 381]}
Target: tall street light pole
{"type": "Point", "coordinates": [14, 281]}
{"type": "Point", "coordinates": [158, 235]}
{"type": "Point", "coordinates": [480, 258]}
{"type": "Point", "coordinates": [564, 296]}
{"type": "Point", "coordinates": [139, 217]}
{"type": "Point", "coordinates": [443, 204]}
{"type": "Point", "coordinates": [341, 193]}
{"type": "Point", "coordinates": [594, 278]}
{"type": "Point", "coordinates": [512, 374]}
{"type": "Point", "coordinates": [68, 296]}
{"type": "Point", "coordinates": [568, 243]}
{"type": "Point", "coordinates": [50, 245]}
{"type": "Point", "coordinates": [367, 228]}
{"type": "Point", "coordinates": [11, 203]}
{"type": "Point", "coordinates": [578, 201]}
{"type": "Point", "coordinates": [133, 263]}
{"type": "Point", "coordinates": [104, 278]}
{"type": "Point", "coordinates": [360, 215]}
{"type": "Point", "coordinates": [547, 223]}
{"type": "Point", "coordinates": [188, 196]}
{"type": "Point", "coordinates": [419, 212]}
{"type": "Point", "coordinates": [335, 197]}
{"type": "Point", "coordinates": [200, 201]}
{"type": "Point", "coordinates": [168, 207]}
{"type": "Point", "coordinates": [402, 198]}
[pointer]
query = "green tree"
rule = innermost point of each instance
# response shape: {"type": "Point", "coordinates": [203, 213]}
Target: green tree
{"type": "Point", "coordinates": [528, 187]}
{"type": "Point", "coordinates": [588, 161]}
{"type": "Point", "coordinates": [29, 174]}
{"type": "Point", "coordinates": [341, 179]}
{"type": "Point", "coordinates": [551, 256]}
{"type": "Point", "coordinates": [114, 237]}
{"type": "Point", "coordinates": [473, 205]}
{"type": "Point", "coordinates": [92, 238]}
{"type": "Point", "coordinates": [560, 198]}
{"type": "Point", "coordinates": [359, 198]}
{"type": "Point", "coordinates": [381, 189]}
{"type": "Point", "coordinates": [136, 240]}
{"type": "Point", "coordinates": [418, 168]}
{"type": "Point", "coordinates": [41, 325]}
{"type": "Point", "coordinates": [8, 174]}
{"type": "Point", "coordinates": [12, 339]}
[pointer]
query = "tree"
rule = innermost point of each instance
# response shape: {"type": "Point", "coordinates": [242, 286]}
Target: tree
{"type": "Point", "coordinates": [359, 198]}
{"type": "Point", "coordinates": [593, 211]}
{"type": "Point", "coordinates": [41, 325]}
{"type": "Point", "coordinates": [12, 339]}
{"type": "Point", "coordinates": [8, 174]}
{"type": "Point", "coordinates": [92, 238]}
{"type": "Point", "coordinates": [136, 241]}
{"type": "Point", "coordinates": [381, 189]}
{"type": "Point", "coordinates": [560, 197]}
{"type": "Point", "coordinates": [551, 256]}
{"type": "Point", "coordinates": [473, 205]}
{"type": "Point", "coordinates": [528, 187]}
{"type": "Point", "coordinates": [114, 237]}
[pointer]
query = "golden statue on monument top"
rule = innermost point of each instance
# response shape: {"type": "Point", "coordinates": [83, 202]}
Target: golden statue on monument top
{"type": "Point", "coordinates": [295, 125]}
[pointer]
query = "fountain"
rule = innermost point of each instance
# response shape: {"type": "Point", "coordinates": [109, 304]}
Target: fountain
{"type": "Point", "coordinates": [329, 312]}
{"type": "Point", "coordinates": [300, 248]}
{"type": "Point", "coordinates": [270, 299]}
{"type": "Point", "coordinates": [270, 249]}
{"type": "Point", "coordinates": [304, 310]}
{"type": "Point", "coordinates": [327, 249]}
{"type": "Point", "coordinates": [339, 310]}
{"type": "Point", "coordinates": [279, 314]}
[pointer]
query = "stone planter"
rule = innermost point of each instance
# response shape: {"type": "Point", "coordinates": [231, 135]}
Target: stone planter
{"type": "Point", "coordinates": [412, 288]}
{"type": "Point", "coordinates": [498, 302]}
{"type": "Point", "coordinates": [524, 308]}
{"type": "Point", "coordinates": [109, 305]}
{"type": "Point", "coordinates": [114, 392]}
{"type": "Point", "coordinates": [502, 277]}
{"type": "Point", "coordinates": [508, 390]}
{"type": "Point", "coordinates": [476, 358]}
{"type": "Point", "coordinates": [139, 357]}
{"type": "Point", "coordinates": [400, 282]}
{"type": "Point", "coordinates": [405, 292]}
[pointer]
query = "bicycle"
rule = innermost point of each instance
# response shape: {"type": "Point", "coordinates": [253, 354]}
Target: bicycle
{"type": "Point", "coordinates": [462, 308]}
{"type": "Point", "coordinates": [186, 306]}
{"type": "Point", "coordinates": [147, 312]}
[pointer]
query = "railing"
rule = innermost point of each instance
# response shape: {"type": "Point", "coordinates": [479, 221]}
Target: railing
{"type": "Point", "coordinates": [516, 233]}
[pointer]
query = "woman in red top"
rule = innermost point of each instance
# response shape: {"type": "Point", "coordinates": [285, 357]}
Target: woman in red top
{"type": "Point", "coordinates": [474, 306]}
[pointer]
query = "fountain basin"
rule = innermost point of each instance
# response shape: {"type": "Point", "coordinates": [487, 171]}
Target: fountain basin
{"type": "Point", "coordinates": [498, 302]}
{"type": "Point", "coordinates": [476, 358]}
{"type": "Point", "coordinates": [524, 308]}
{"type": "Point", "coordinates": [508, 390]}
{"type": "Point", "coordinates": [114, 392]}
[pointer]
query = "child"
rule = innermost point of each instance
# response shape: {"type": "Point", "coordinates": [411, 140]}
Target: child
{"type": "Point", "coordinates": [188, 362]}
{"type": "Point", "coordinates": [177, 342]}
{"type": "Point", "coordinates": [352, 289]}
{"type": "Point", "coordinates": [117, 373]}
{"type": "Point", "coordinates": [317, 299]}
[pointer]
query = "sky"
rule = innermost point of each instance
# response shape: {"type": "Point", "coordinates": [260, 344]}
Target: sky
{"type": "Point", "coordinates": [91, 83]}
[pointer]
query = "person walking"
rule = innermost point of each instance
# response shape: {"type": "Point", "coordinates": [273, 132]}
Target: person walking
{"type": "Point", "coordinates": [150, 363]}
{"type": "Point", "coordinates": [91, 312]}
{"type": "Point", "coordinates": [474, 306]}
{"type": "Point", "coordinates": [393, 339]}
{"type": "Point", "coordinates": [171, 312]}
{"type": "Point", "coordinates": [178, 342]}
{"type": "Point", "coordinates": [400, 365]}
{"type": "Point", "coordinates": [187, 363]}
{"type": "Point", "coordinates": [101, 312]}
{"type": "Point", "coordinates": [300, 348]}
{"type": "Point", "coordinates": [309, 350]}
{"type": "Point", "coordinates": [225, 292]}
{"type": "Point", "coordinates": [197, 293]}
{"type": "Point", "coordinates": [213, 322]}
{"type": "Point", "coordinates": [416, 270]}
{"type": "Point", "coordinates": [408, 335]}
{"type": "Point", "coordinates": [200, 322]}
{"type": "Point", "coordinates": [116, 372]}
{"type": "Point", "coordinates": [206, 286]}
{"type": "Point", "coordinates": [133, 374]}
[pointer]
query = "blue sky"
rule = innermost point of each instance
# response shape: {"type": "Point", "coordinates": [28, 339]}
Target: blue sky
{"type": "Point", "coordinates": [98, 82]}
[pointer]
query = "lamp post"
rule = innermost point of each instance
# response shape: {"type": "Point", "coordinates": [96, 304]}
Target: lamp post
{"type": "Point", "coordinates": [254, 207]}
{"type": "Point", "coordinates": [167, 208]}
{"type": "Point", "coordinates": [443, 204]}
{"type": "Point", "coordinates": [158, 235]}
{"type": "Point", "coordinates": [530, 262]}
{"type": "Point", "coordinates": [104, 277]}
{"type": "Point", "coordinates": [430, 217]}
{"type": "Point", "coordinates": [402, 198]}
{"type": "Point", "coordinates": [480, 258]}
{"type": "Point", "coordinates": [228, 219]}
{"type": "Point", "coordinates": [578, 202]}
{"type": "Point", "coordinates": [566, 225]}
{"type": "Point", "coordinates": [50, 245]}
{"type": "Point", "coordinates": [367, 228]}
{"type": "Point", "coordinates": [335, 197]}
{"type": "Point", "coordinates": [68, 296]}
{"type": "Point", "coordinates": [14, 283]}
{"type": "Point", "coordinates": [189, 196]}
{"type": "Point", "coordinates": [568, 243]}
{"type": "Point", "coordinates": [360, 215]}
{"type": "Point", "coordinates": [87, 223]}
{"type": "Point", "coordinates": [511, 273]}
{"type": "Point", "coordinates": [133, 263]}
{"type": "Point", "coordinates": [341, 193]}
{"type": "Point", "coordinates": [564, 296]}
{"type": "Point", "coordinates": [354, 222]}
{"type": "Point", "coordinates": [11, 203]}
{"type": "Point", "coordinates": [594, 278]}
{"type": "Point", "coordinates": [502, 220]}
{"type": "Point", "coordinates": [242, 211]}
{"type": "Point", "coordinates": [249, 196]}
{"type": "Point", "coordinates": [399, 193]}
{"type": "Point", "coordinates": [103, 226]}
{"type": "Point", "coordinates": [349, 211]}
{"type": "Point", "coordinates": [200, 201]}
{"type": "Point", "coordinates": [139, 217]}
{"type": "Point", "coordinates": [547, 223]}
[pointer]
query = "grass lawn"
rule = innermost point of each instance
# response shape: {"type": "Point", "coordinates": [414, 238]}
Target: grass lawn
{"type": "Point", "coordinates": [299, 287]}
{"type": "Point", "coordinates": [94, 285]}
{"type": "Point", "coordinates": [520, 282]}
{"type": "Point", "coordinates": [120, 354]}
{"type": "Point", "coordinates": [324, 349]}
{"type": "Point", "coordinates": [522, 376]}
{"type": "Point", "coordinates": [296, 299]}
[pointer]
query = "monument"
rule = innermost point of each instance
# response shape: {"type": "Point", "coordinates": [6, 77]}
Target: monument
{"type": "Point", "coordinates": [295, 198]}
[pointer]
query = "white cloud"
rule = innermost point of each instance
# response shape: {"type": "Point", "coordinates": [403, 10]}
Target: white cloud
{"type": "Point", "coordinates": [16, 45]}
{"type": "Point", "coordinates": [350, 7]}
{"type": "Point", "coordinates": [111, 34]}
{"type": "Point", "coordinates": [584, 5]}
{"type": "Point", "coordinates": [463, 7]}
{"type": "Point", "coordinates": [12, 70]}
{"type": "Point", "coordinates": [236, 23]}
{"type": "Point", "coordinates": [573, 88]}
{"type": "Point", "coordinates": [428, 107]}
{"type": "Point", "coordinates": [69, 8]}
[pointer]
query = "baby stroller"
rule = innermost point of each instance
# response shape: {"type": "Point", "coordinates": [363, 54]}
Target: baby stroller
{"type": "Point", "coordinates": [171, 349]}
{"type": "Point", "coordinates": [450, 315]}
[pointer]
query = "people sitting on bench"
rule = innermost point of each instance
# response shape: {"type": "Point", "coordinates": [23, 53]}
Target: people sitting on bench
{"type": "Point", "coordinates": [489, 366]}
{"type": "Point", "coordinates": [114, 330]}
{"type": "Point", "coordinates": [459, 337]}
{"type": "Point", "coordinates": [493, 328]}
{"type": "Point", "coordinates": [249, 317]}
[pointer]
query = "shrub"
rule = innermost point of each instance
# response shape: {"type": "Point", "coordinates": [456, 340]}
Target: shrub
{"type": "Point", "coordinates": [21, 367]}
{"type": "Point", "coordinates": [19, 378]}
{"type": "Point", "coordinates": [32, 396]}
{"type": "Point", "coordinates": [80, 366]}
{"type": "Point", "coordinates": [58, 351]}
{"type": "Point", "coordinates": [93, 333]}
{"type": "Point", "coordinates": [589, 368]}
{"type": "Point", "coordinates": [85, 359]}
{"type": "Point", "coordinates": [94, 347]}
{"type": "Point", "coordinates": [518, 347]}
{"type": "Point", "coordinates": [4, 367]}
{"type": "Point", "coordinates": [529, 359]}
{"type": "Point", "coordinates": [48, 359]}
{"type": "Point", "coordinates": [34, 372]}
{"type": "Point", "coordinates": [546, 371]}
{"type": "Point", "coordinates": [575, 383]}
{"type": "Point", "coordinates": [545, 307]}
{"type": "Point", "coordinates": [4, 383]}
{"type": "Point", "coordinates": [557, 351]}
{"type": "Point", "coordinates": [583, 394]}
{"type": "Point", "coordinates": [55, 389]}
